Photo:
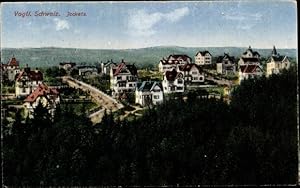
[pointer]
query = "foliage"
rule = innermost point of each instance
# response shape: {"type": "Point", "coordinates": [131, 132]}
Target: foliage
{"type": "Point", "coordinates": [143, 57]}
{"type": "Point", "coordinates": [252, 140]}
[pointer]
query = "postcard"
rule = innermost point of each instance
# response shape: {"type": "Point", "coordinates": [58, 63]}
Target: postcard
{"type": "Point", "coordinates": [149, 93]}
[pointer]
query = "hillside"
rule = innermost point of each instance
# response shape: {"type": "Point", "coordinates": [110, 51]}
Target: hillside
{"type": "Point", "coordinates": [143, 57]}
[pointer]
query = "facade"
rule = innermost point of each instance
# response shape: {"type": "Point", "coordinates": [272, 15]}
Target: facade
{"type": "Point", "coordinates": [203, 58]}
{"type": "Point", "coordinates": [226, 64]}
{"type": "Point", "coordinates": [87, 70]}
{"type": "Point", "coordinates": [48, 97]}
{"type": "Point", "coordinates": [27, 81]}
{"type": "Point", "coordinates": [249, 57]}
{"type": "Point", "coordinates": [173, 61]}
{"type": "Point", "coordinates": [173, 82]}
{"type": "Point", "coordinates": [249, 71]}
{"type": "Point", "coordinates": [123, 78]}
{"type": "Point", "coordinates": [149, 93]}
{"type": "Point", "coordinates": [276, 63]}
{"type": "Point", "coordinates": [192, 73]}
{"type": "Point", "coordinates": [105, 67]}
{"type": "Point", "coordinates": [67, 65]}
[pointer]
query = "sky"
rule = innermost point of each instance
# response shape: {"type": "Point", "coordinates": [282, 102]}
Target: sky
{"type": "Point", "coordinates": [123, 25]}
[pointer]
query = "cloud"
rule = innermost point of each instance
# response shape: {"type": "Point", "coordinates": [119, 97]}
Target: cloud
{"type": "Point", "coordinates": [61, 24]}
{"type": "Point", "coordinates": [242, 16]}
{"type": "Point", "coordinates": [142, 23]}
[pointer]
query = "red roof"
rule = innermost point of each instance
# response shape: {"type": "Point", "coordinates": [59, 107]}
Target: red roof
{"type": "Point", "coordinates": [131, 68]}
{"type": "Point", "coordinates": [172, 75]}
{"type": "Point", "coordinates": [41, 90]}
{"type": "Point", "coordinates": [249, 68]}
{"type": "Point", "coordinates": [188, 67]}
{"type": "Point", "coordinates": [32, 75]}
{"type": "Point", "coordinates": [13, 62]}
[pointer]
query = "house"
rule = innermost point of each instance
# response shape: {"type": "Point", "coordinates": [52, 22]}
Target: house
{"type": "Point", "coordinates": [192, 73]}
{"type": "Point", "coordinates": [173, 82]}
{"type": "Point", "coordinates": [173, 61]}
{"type": "Point", "coordinates": [67, 65]}
{"type": "Point", "coordinates": [105, 67]}
{"type": "Point", "coordinates": [276, 63]}
{"type": "Point", "coordinates": [226, 64]}
{"type": "Point", "coordinates": [249, 57]}
{"type": "Point", "coordinates": [48, 97]}
{"type": "Point", "coordinates": [27, 81]}
{"type": "Point", "coordinates": [249, 71]}
{"type": "Point", "coordinates": [123, 78]}
{"type": "Point", "coordinates": [203, 58]}
{"type": "Point", "coordinates": [11, 69]}
{"type": "Point", "coordinates": [84, 70]}
{"type": "Point", "coordinates": [149, 93]}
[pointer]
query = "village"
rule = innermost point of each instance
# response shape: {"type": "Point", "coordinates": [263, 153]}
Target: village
{"type": "Point", "coordinates": [125, 90]}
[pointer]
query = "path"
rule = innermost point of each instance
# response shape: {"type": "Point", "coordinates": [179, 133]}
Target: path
{"type": "Point", "coordinates": [107, 102]}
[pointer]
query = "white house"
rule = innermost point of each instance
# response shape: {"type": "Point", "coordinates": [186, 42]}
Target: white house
{"type": "Point", "coordinates": [203, 58]}
{"type": "Point", "coordinates": [173, 82]}
{"type": "Point", "coordinates": [87, 70]}
{"type": "Point", "coordinates": [192, 73]}
{"type": "Point", "coordinates": [226, 64]}
{"type": "Point", "coordinates": [250, 57]}
{"type": "Point", "coordinates": [27, 81]}
{"type": "Point", "coordinates": [67, 65]}
{"type": "Point", "coordinates": [249, 71]}
{"type": "Point", "coordinates": [149, 93]}
{"type": "Point", "coordinates": [48, 97]}
{"type": "Point", "coordinates": [276, 63]}
{"type": "Point", "coordinates": [173, 61]}
{"type": "Point", "coordinates": [105, 67]}
{"type": "Point", "coordinates": [123, 78]}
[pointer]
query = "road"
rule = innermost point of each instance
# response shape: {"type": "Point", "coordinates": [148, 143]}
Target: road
{"type": "Point", "coordinates": [105, 101]}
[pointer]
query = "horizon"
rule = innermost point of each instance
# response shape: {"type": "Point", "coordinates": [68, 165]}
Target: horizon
{"type": "Point", "coordinates": [124, 25]}
{"type": "Point", "coordinates": [162, 46]}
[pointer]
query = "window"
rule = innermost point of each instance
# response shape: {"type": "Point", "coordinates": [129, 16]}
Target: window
{"type": "Point", "coordinates": [23, 90]}
{"type": "Point", "coordinates": [179, 88]}
{"type": "Point", "coordinates": [195, 78]}
{"type": "Point", "coordinates": [201, 78]}
{"type": "Point", "coordinates": [156, 96]}
{"type": "Point", "coordinates": [130, 85]}
{"type": "Point", "coordinates": [122, 84]}
{"type": "Point", "coordinates": [180, 81]}
{"type": "Point", "coordinates": [194, 72]}
{"type": "Point", "coordinates": [119, 78]}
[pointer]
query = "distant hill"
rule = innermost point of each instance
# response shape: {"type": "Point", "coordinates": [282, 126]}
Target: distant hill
{"type": "Point", "coordinates": [142, 57]}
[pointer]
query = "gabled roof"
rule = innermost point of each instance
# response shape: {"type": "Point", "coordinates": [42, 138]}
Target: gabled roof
{"type": "Point", "coordinates": [172, 75]}
{"type": "Point", "coordinates": [13, 62]}
{"type": "Point", "coordinates": [250, 59]}
{"type": "Point", "coordinates": [225, 56]}
{"type": "Point", "coordinates": [148, 86]}
{"type": "Point", "coordinates": [251, 51]}
{"type": "Point", "coordinates": [188, 67]}
{"type": "Point", "coordinates": [180, 56]}
{"type": "Point", "coordinates": [203, 53]}
{"type": "Point", "coordinates": [41, 90]}
{"type": "Point", "coordinates": [131, 68]}
{"type": "Point", "coordinates": [249, 68]}
{"type": "Point", "coordinates": [32, 75]}
{"type": "Point", "coordinates": [279, 58]}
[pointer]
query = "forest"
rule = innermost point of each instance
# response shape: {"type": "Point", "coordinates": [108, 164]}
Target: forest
{"type": "Point", "coordinates": [198, 141]}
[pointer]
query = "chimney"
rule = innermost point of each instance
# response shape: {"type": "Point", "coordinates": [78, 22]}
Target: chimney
{"type": "Point", "coordinates": [36, 70]}
{"type": "Point", "coordinates": [122, 61]}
